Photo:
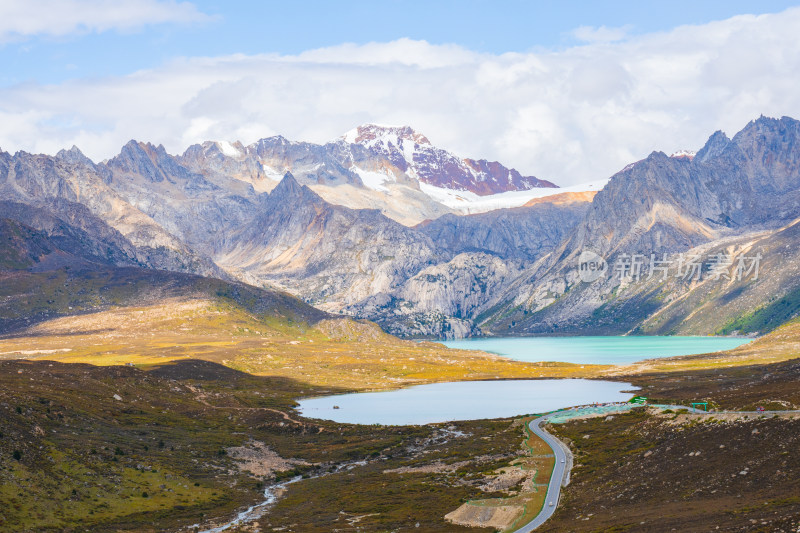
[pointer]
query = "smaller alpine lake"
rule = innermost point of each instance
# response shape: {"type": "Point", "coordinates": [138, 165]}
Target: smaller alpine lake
{"type": "Point", "coordinates": [465, 400]}
{"type": "Point", "coordinates": [611, 350]}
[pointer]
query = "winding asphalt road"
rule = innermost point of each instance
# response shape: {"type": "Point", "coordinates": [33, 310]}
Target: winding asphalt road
{"type": "Point", "coordinates": [563, 465]}
{"type": "Point", "coordinates": [559, 477]}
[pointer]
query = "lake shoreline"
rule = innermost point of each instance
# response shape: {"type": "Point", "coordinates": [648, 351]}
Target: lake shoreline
{"type": "Point", "coordinates": [615, 350]}
{"type": "Point", "coordinates": [454, 401]}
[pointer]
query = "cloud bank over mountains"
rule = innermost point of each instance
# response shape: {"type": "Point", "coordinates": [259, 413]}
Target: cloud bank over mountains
{"type": "Point", "coordinates": [569, 116]}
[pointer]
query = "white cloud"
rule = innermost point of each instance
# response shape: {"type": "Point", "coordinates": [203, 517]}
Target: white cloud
{"type": "Point", "coordinates": [570, 116]}
{"type": "Point", "coordinates": [401, 52]}
{"type": "Point", "coordinates": [19, 20]}
{"type": "Point", "coordinates": [602, 34]}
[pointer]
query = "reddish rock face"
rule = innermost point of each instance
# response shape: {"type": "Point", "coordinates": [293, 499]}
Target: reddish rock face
{"type": "Point", "coordinates": [413, 153]}
{"type": "Point", "coordinates": [498, 178]}
{"type": "Point", "coordinates": [564, 198]}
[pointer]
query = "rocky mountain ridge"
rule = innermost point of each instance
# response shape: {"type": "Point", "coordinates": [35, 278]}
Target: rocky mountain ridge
{"type": "Point", "coordinates": [393, 169]}
{"type": "Point", "coordinates": [220, 210]}
{"type": "Point", "coordinates": [75, 190]}
{"type": "Point", "coordinates": [732, 189]}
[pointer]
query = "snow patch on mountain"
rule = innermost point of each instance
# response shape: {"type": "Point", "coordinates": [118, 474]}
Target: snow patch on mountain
{"type": "Point", "coordinates": [273, 173]}
{"type": "Point", "coordinates": [229, 149]}
{"type": "Point", "coordinates": [470, 203]}
{"type": "Point", "coordinates": [373, 180]}
{"type": "Point", "coordinates": [688, 154]}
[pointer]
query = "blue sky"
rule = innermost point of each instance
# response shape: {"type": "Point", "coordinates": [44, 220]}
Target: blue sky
{"type": "Point", "coordinates": [566, 91]}
{"type": "Point", "coordinates": [292, 27]}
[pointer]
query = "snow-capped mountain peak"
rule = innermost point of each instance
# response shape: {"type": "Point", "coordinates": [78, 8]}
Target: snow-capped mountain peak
{"type": "Point", "coordinates": [373, 134]}
{"type": "Point", "coordinates": [412, 153]}
{"type": "Point", "coordinates": [687, 154]}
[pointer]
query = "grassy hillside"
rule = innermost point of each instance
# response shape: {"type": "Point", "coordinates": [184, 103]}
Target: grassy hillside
{"type": "Point", "coordinates": [124, 449]}
{"type": "Point", "coordinates": [328, 351]}
{"type": "Point", "coordinates": [27, 298]}
{"type": "Point", "coordinates": [767, 317]}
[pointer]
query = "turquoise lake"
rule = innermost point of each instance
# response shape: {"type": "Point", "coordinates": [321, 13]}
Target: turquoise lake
{"type": "Point", "coordinates": [596, 350]}
{"type": "Point", "coordinates": [471, 400]}
{"type": "Point", "coordinates": [465, 400]}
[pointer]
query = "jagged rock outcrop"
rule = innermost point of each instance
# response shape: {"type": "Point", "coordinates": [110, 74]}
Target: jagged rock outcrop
{"type": "Point", "coordinates": [230, 166]}
{"type": "Point", "coordinates": [154, 164]}
{"type": "Point", "coordinates": [332, 164]}
{"type": "Point", "coordinates": [380, 168]}
{"type": "Point", "coordinates": [362, 263]}
{"type": "Point", "coordinates": [487, 251]}
{"type": "Point", "coordinates": [225, 209]}
{"type": "Point", "coordinates": [344, 174]}
{"type": "Point", "coordinates": [441, 300]}
{"type": "Point", "coordinates": [184, 203]}
{"type": "Point", "coordinates": [182, 213]}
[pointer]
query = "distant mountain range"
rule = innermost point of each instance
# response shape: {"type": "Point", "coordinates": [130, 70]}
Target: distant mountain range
{"type": "Point", "coordinates": [374, 225]}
